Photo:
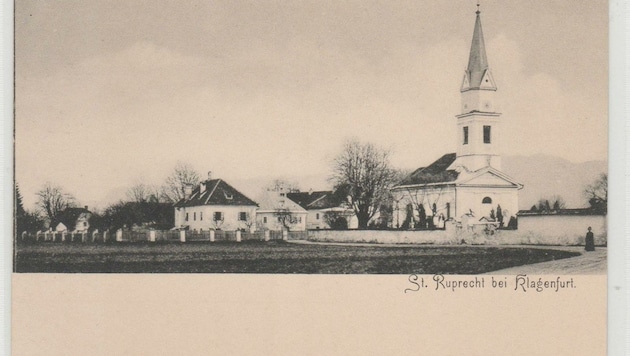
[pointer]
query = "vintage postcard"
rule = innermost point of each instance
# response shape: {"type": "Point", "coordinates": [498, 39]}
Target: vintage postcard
{"type": "Point", "coordinates": [279, 177]}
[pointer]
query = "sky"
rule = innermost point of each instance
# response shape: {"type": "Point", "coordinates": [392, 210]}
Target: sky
{"type": "Point", "coordinates": [109, 94]}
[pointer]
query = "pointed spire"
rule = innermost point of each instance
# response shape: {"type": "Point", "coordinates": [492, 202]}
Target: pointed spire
{"type": "Point", "coordinates": [477, 62]}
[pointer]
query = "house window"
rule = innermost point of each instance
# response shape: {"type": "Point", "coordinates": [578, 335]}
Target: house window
{"type": "Point", "coordinates": [242, 216]}
{"type": "Point", "coordinates": [465, 135]}
{"type": "Point", "coordinates": [194, 216]}
{"type": "Point", "coordinates": [317, 216]}
{"type": "Point", "coordinates": [218, 216]}
{"type": "Point", "coordinates": [186, 216]}
{"type": "Point", "coordinates": [486, 134]}
{"type": "Point", "coordinates": [264, 219]}
{"type": "Point", "coordinates": [486, 200]}
{"type": "Point", "coordinates": [201, 216]}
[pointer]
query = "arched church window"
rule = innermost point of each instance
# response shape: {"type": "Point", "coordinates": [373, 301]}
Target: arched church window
{"type": "Point", "coordinates": [486, 200]}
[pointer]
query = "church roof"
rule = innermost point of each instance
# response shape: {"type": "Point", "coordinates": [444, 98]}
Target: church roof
{"type": "Point", "coordinates": [316, 200]}
{"type": "Point", "coordinates": [436, 172]}
{"type": "Point", "coordinates": [217, 192]}
{"type": "Point", "coordinates": [477, 61]}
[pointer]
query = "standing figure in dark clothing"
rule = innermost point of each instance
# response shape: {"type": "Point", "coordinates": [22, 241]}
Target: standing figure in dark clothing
{"type": "Point", "coordinates": [589, 242]}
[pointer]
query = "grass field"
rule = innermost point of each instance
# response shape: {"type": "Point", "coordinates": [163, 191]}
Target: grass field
{"type": "Point", "coordinates": [272, 257]}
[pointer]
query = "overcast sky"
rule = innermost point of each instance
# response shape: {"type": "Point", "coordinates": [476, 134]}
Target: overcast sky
{"type": "Point", "coordinates": [109, 93]}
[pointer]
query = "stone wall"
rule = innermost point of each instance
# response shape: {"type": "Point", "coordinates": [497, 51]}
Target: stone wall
{"type": "Point", "coordinates": [550, 230]}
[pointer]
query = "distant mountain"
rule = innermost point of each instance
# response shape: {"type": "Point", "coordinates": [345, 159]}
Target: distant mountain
{"type": "Point", "coordinates": [545, 176]}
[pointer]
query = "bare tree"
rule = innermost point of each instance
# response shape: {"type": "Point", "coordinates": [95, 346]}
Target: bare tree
{"type": "Point", "coordinates": [363, 172]}
{"type": "Point", "coordinates": [597, 193]}
{"type": "Point", "coordinates": [286, 218]}
{"type": "Point", "coordinates": [141, 192]}
{"type": "Point", "coordinates": [52, 200]}
{"type": "Point", "coordinates": [250, 221]}
{"type": "Point", "coordinates": [283, 185]}
{"type": "Point", "coordinates": [175, 186]}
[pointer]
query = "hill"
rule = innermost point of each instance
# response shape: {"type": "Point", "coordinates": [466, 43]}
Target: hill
{"type": "Point", "coordinates": [545, 176]}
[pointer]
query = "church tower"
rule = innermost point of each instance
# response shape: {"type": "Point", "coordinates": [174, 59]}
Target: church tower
{"type": "Point", "coordinates": [478, 123]}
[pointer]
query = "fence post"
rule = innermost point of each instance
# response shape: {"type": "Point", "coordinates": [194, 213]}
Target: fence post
{"type": "Point", "coordinates": [182, 235]}
{"type": "Point", "coordinates": [63, 236]}
{"type": "Point", "coordinates": [119, 235]}
{"type": "Point", "coordinates": [37, 235]}
{"type": "Point", "coordinates": [152, 235]}
{"type": "Point", "coordinates": [94, 235]}
{"type": "Point", "coordinates": [238, 235]}
{"type": "Point", "coordinates": [211, 235]}
{"type": "Point", "coordinates": [285, 235]}
{"type": "Point", "coordinates": [267, 235]}
{"type": "Point", "coordinates": [83, 236]}
{"type": "Point", "coordinates": [105, 235]}
{"type": "Point", "coordinates": [23, 235]}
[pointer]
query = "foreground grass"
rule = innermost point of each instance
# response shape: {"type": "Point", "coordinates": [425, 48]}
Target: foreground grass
{"type": "Point", "coordinates": [272, 257]}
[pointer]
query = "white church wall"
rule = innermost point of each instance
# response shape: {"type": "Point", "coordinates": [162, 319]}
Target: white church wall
{"type": "Point", "coordinates": [443, 197]}
{"type": "Point", "coordinates": [471, 198]}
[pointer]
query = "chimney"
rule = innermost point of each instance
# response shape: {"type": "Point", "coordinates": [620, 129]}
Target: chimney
{"type": "Point", "coordinates": [86, 207]}
{"type": "Point", "coordinates": [187, 191]}
{"type": "Point", "coordinates": [310, 191]}
{"type": "Point", "coordinates": [202, 187]}
{"type": "Point", "coordinates": [209, 175]}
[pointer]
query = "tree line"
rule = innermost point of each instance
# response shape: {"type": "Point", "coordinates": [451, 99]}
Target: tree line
{"type": "Point", "coordinates": [362, 172]}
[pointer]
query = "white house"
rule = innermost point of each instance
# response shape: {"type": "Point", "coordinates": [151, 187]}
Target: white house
{"type": "Point", "coordinates": [72, 220]}
{"type": "Point", "coordinates": [214, 204]}
{"type": "Point", "coordinates": [277, 212]}
{"type": "Point", "coordinates": [469, 181]}
{"type": "Point", "coordinates": [321, 207]}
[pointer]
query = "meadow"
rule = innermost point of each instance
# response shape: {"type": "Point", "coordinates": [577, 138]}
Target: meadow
{"type": "Point", "coordinates": [272, 257]}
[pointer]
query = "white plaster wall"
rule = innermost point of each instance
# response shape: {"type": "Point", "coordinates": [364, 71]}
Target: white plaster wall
{"type": "Point", "coordinates": [414, 196]}
{"type": "Point", "coordinates": [563, 229]}
{"type": "Point", "coordinates": [475, 153]}
{"type": "Point", "coordinates": [202, 217]}
{"type": "Point", "coordinates": [274, 225]}
{"type": "Point", "coordinates": [472, 197]}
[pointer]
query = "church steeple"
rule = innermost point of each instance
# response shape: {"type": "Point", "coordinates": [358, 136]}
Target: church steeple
{"type": "Point", "coordinates": [478, 74]}
{"type": "Point", "coordinates": [478, 123]}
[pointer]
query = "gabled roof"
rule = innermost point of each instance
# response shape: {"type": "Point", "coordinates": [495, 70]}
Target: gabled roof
{"type": "Point", "coordinates": [273, 201]}
{"type": "Point", "coordinates": [217, 192]}
{"type": "Point", "coordinates": [436, 172]}
{"type": "Point", "coordinates": [498, 178]}
{"type": "Point", "coordinates": [316, 200]}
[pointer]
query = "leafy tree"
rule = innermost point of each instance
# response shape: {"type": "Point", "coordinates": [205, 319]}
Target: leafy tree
{"type": "Point", "coordinates": [597, 194]}
{"type": "Point", "coordinates": [362, 172]}
{"type": "Point", "coordinates": [500, 215]}
{"type": "Point", "coordinates": [52, 200]}
{"type": "Point", "coordinates": [336, 220]}
{"type": "Point", "coordinates": [183, 175]}
{"type": "Point", "coordinates": [129, 214]}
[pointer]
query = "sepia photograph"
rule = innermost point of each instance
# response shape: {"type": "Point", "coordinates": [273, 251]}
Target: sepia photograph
{"type": "Point", "coordinates": [312, 177]}
{"type": "Point", "coordinates": [311, 138]}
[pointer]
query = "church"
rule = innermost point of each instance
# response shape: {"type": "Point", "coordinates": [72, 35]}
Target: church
{"type": "Point", "coordinates": [467, 184]}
